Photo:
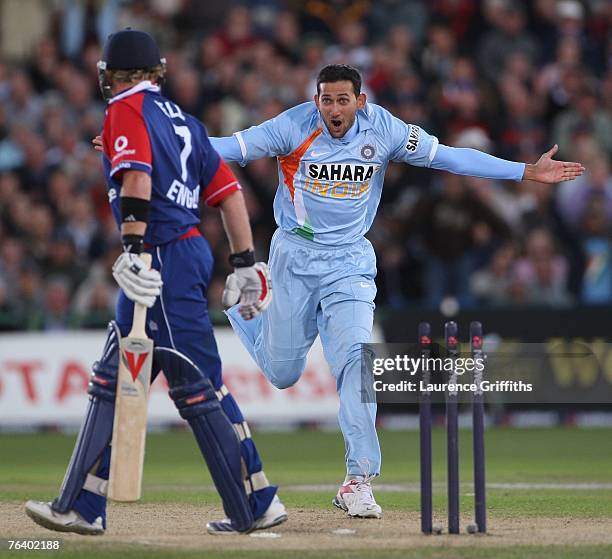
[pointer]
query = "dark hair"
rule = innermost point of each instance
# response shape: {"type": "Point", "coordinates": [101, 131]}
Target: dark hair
{"type": "Point", "coordinates": [339, 73]}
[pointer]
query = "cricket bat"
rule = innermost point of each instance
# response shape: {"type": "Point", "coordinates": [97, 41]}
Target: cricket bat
{"type": "Point", "coordinates": [130, 423]}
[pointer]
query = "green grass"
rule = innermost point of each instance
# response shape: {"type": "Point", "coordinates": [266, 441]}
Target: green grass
{"type": "Point", "coordinates": [174, 466]}
{"type": "Point", "coordinates": [32, 466]}
{"type": "Point", "coordinates": [560, 455]}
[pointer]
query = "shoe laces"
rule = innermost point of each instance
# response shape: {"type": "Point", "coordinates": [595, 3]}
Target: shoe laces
{"type": "Point", "coordinates": [363, 489]}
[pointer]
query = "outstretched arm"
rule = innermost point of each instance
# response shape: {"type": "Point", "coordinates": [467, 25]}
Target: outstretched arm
{"type": "Point", "coordinates": [413, 145]}
{"type": "Point", "coordinates": [475, 163]}
{"type": "Point", "coordinates": [230, 147]}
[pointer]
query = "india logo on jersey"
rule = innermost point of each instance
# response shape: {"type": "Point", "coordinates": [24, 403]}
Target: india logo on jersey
{"type": "Point", "coordinates": [368, 151]}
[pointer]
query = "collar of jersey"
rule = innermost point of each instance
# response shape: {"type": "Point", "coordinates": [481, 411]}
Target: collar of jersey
{"type": "Point", "coordinates": [362, 123]}
{"type": "Point", "coordinates": [142, 86]}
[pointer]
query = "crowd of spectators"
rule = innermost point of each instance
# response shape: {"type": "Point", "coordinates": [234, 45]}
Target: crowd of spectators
{"type": "Point", "coordinates": [504, 76]}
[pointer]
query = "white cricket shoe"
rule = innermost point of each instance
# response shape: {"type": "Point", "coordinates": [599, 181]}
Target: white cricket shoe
{"type": "Point", "coordinates": [356, 498]}
{"type": "Point", "coordinates": [71, 521]}
{"type": "Point", "coordinates": [275, 514]}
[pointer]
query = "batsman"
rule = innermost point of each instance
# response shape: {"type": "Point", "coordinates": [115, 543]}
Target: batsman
{"type": "Point", "coordinates": [159, 164]}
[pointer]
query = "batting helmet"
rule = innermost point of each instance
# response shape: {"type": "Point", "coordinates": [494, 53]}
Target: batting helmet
{"type": "Point", "coordinates": [128, 49]}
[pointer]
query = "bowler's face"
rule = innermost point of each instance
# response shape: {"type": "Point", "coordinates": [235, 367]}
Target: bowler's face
{"type": "Point", "coordinates": [338, 106]}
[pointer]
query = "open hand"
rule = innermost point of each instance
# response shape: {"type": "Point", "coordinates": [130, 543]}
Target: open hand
{"type": "Point", "coordinates": [548, 170]}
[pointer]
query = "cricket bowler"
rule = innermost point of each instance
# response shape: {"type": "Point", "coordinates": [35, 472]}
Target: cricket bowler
{"type": "Point", "coordinates": [332, 155]}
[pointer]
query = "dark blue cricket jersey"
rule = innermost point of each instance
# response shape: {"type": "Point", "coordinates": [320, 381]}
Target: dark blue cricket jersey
{"type": "Point", "coordinates": [143, 131]}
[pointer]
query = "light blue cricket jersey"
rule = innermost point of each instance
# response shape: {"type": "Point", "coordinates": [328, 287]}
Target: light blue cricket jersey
{"type": "Point", "coordinates": [330, 188]}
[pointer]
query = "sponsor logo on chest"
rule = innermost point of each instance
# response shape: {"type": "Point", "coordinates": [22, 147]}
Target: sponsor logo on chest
{"type": "Point", "coordinates": [340, 172]}
{"type": "Point", "coordinates": [338, 180]}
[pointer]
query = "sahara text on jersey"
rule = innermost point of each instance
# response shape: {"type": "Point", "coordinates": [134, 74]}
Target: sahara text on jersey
{"type": "Point", "coordinates": [338, 180]}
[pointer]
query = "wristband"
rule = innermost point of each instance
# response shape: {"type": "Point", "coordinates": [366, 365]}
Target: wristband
{"type": "Point", "coordinates": [134, 209]}
{"type": "Point", "coordinates": [133, 243]}
{"type": "Point", "coordinates": [242, 259]}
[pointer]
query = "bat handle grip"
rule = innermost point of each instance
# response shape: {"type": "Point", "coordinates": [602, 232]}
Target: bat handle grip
{"type": "Point", "coordinates": [140, 311]}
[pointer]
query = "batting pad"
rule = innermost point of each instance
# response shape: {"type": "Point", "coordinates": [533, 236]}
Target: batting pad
{"type": "Point", "coordinates": [197, 402]}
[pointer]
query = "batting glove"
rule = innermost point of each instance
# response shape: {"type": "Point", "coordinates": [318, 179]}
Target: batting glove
{"type": "Point", "coordinates": [139, 283]}
{"type": "Point", "coordinates": [251, 287]}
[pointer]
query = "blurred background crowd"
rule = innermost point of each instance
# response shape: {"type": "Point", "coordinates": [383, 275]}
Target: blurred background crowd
{"type": "Point", "coordinates": [508, 77]}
